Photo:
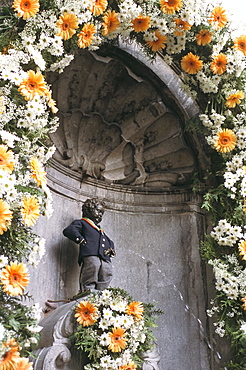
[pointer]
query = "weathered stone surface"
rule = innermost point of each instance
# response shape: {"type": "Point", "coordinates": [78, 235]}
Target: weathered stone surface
{"type": "Point", "coordinates": [157, 239]}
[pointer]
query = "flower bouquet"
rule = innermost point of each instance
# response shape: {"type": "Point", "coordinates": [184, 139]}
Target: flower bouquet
{"type": "Point", "coordinates": [114, 331]}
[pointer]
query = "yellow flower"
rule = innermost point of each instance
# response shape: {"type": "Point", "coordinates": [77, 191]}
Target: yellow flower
{"type": "Point", "coordinates": [244, 303]}
{"type": "Point", "coordinates": [135, 309]}
{"type": "Point", "coordinates": [51, 102]}
{"type": "Point", "coordinates": [117, 340]}
{"type": "Point", "coordinates": [2, 106]}
{"type": "Point", "coordinates": [191, 63]}
{"type": "Point", "coordinates": [234, 99]}
{"type": "Point", "coordinates": [38, 173]}
{"type": "Point", "coordinates": [7, 161]}
{"type": "Point", "coordinates": [218, 17]}
{"type": "Point", "coordinates": [219, 64]}
{"type": "Point", "coordinates": [5, 216]}
{"type": "Point", "coordinates": [141, 23]}
{"type": "Point", "coordinates": [242, 249]}
{"type": "Point", "coordinates": [98, 7]}
{"type": "Point", "coordinates": [26, 8]}
{"type": "Point", "coordinates": [30, 211]}
{"type": "Point", "coordinates": [52, 105]}
{"type": "Point", "coordinates": [14, 278]}
{"type": "Point", "coordinates": [86, 313]}
{"type": "Point", "coordinates": [67, 24]}
{"type": "Point", "coordinates": [159, 43]}
{"type": "Point", "coordinates": [111, 22]}
{"type": "Point", "coordinates": [170, 6]}
{"type": "Point", "coordinates": [86, 35]}
{"type": "Point", "coordinates": [33, 85]}
{"type": "Point", "coordinates": [11, 355]}
{"type": "Point", "coordinates": [181, 27]}
{"type": "Point", "coordinates": [130, 366]}
{"type": "Point", "coordinates": [240, 43]}
{"type": "Point", "coordinates": [24, 364]}
{"type": "Point", "coordinates": [225, 141]}
{"type": "Point", "coordinates": [204, 37]}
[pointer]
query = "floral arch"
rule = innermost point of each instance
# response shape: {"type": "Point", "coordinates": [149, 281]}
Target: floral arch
{"type": "Point", "coordinates": [39, 36]}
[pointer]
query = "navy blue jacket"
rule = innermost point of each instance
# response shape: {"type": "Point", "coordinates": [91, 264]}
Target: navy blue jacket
{"type": "Point", "coordinates": [96, 240]}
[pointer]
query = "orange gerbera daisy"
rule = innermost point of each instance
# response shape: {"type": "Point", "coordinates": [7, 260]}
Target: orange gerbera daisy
{"type": "Point", "coordinates": [117, 340]}
{"type": "Point", "coordinates": [219, 64]}
{"type": "Point", "coordinates": [11, 356]}
{"type": "Point", "coordinates": [141, 23]}
{"type": "Point", "coordinates": [86, 35]}
{"type": "Point", "coordinates": [24, 364]}
{"type": "Point", "coordinates": [86, 313]}
{"type": "Point", "coordinates": [130, 366]}
{"type": "Point", "coordinates": [111, 22]}
{"type": "Point", "coordinates": [38, 173]}
{"type": "Point", "coordinates": [26, 8]}
{"type": "Point", "coordinates": [135, 309]}
{"type": "Point", "coordinates": [234, 99]}
{"type": "Point", "coordinates": [244, 303]}
{"type": "Point", "coordinates": [204, 37]}
{"type": "Point", "coordinates": [98, 7]}
{"type": "Point", "coordinates": [218, 17]}
{"type": "Point", "coordinates": [226, 141]}
{"type": "Point", "coordinates": [7, 161]}
{"type": "Point", "coordinates": [5, 216]}
{"type": "Point", "coordinates": [170, 6]}
{"type": "Point", "coordinates": [14, 278]}
{"type": "Point", "coordinates": [30, 211]}
{"type": "Point", "coordinates": [240, 43]}
{"type": "Point", "coordinates": [159, 43]}
{"type": "Point", "coordinates": [181, 27]}
{"type": "Point", "coordinates": [67, 24]}
{"type": "Point", "coordinates": [242, 249]}
{"type": "Point", "coordinates": [191, 63]}
{"type": "Point", "coordinates": [33, 85]}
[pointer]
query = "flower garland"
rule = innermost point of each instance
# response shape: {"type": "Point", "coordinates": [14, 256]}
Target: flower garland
{"type": "Point", "coordinates": [113, 330]}
{"type": "Point", "coordinates": [40, 36]}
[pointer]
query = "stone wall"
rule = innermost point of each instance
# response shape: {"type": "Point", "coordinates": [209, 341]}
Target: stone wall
{"type": "Point", "coordinates": [157, 242]}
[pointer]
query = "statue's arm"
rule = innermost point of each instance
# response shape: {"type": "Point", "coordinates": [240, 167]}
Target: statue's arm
{"type": "Point", "coordinates": [74, 232]}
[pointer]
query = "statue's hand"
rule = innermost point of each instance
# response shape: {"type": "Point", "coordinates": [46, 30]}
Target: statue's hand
{"type": "Point", "coordinates": [83, 242]}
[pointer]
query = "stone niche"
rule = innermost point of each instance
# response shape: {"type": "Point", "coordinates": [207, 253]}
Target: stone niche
{"type": "Point", "coordinates": [121, 138]}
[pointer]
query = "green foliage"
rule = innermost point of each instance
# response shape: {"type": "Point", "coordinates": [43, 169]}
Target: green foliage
{"type": "Point", "coordinates": [17, 319]}
{"type": "Point", "coordinates": [220, 206]}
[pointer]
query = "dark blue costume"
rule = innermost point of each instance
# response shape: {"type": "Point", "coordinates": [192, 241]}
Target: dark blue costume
{"type": "Point", "coordinates": [97, 242]}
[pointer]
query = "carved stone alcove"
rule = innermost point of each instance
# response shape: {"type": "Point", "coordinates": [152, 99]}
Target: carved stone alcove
{"type": "Point", "coordinates": [116, 128]}
{"type": "Point", "coordinates": [122, 138]}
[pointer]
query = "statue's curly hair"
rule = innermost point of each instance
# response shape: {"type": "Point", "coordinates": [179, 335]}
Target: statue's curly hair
{"type": "Point", "coordinates": [90, 204]}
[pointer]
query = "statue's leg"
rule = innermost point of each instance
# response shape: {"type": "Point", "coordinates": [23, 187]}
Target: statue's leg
{"type": "Point", "coordinates": [105, 275]}
{"type": "Point", "coordinates": [89, 273]}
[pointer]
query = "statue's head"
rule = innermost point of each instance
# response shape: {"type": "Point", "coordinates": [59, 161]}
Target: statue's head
{"type": "Point", "coordinates": [93, 209]}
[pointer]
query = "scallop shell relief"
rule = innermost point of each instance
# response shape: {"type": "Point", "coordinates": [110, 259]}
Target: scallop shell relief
{"type": "Point", "coordinates": [115, 128]}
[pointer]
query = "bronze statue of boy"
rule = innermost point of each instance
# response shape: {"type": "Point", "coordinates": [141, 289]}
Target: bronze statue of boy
{"type": "Point", "coordinates": [95, 247]}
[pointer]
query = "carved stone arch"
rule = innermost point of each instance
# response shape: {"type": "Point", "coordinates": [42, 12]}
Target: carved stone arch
{"type": "Point", "coordinates": [118, 125]}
